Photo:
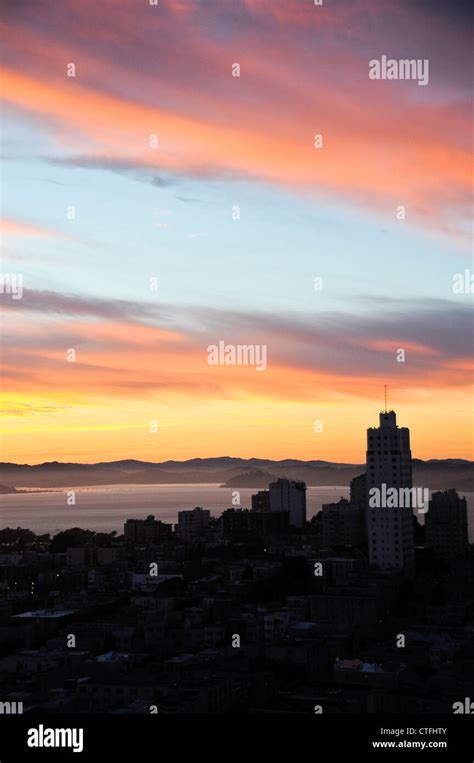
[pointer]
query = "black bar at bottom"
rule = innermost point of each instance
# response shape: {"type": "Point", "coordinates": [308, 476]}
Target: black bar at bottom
{"type": "Point", "coordinates": [153, 737]}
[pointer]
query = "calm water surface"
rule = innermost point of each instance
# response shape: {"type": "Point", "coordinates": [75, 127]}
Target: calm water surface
{"type": "Point", "coordinates": [106, 507]}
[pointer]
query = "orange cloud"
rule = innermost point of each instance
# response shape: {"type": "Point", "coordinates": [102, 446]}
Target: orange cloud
{"type": "Point", "coordinates": [119, 360]}
{"type": "Point", "coordinates": [10, 227]}
{"type": "Point", "coordinates": [366, 156]}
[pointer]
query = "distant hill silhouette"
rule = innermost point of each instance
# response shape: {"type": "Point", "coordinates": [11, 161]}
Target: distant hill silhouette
{"type": "Point", "coordinates": [5, 490]}
{"type": "Point", "coordinates": [436, 474]}
{"type": "Point", "coordinates": [254, 478]}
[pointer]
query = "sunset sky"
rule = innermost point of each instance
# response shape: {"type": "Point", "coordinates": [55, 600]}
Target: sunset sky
{"type": "Point", "coordinates": [166, 213]}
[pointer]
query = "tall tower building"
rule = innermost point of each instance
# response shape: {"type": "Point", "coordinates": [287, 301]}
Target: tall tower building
{"type": "Point", "coordinates": [289, 495]}
{"type": "Point", "coordinates": [390, 528]}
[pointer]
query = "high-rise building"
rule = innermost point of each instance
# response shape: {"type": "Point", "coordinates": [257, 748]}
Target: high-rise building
{"type": "Point", "coordinates": [146, 530]}
{"type": "Point", "coordinates": [343, 524]}
{"type": "Point", "coordinates": [192, 524]}
{"type": "Point", "coordinates": [358, 488]}
{"type": "Point", "coordinates": [261, 501]}
{"type": "Point", "coordinates": [389, 527]}
{"type": "Point", "coordinates": [289, 495]}
{"type": "Point", "coordinates": [388, 453]}
{"type": "Point", "coordinates": [446, 526]}
{"type": "Point", "coordinates": [241, 522]}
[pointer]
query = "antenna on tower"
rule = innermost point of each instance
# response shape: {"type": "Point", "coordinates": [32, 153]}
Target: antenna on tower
{"type": "Point", "coordinates": [385, 386]}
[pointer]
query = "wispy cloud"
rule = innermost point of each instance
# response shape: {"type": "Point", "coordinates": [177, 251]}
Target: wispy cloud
{"type": "Point", "coordinates": [259, 126]}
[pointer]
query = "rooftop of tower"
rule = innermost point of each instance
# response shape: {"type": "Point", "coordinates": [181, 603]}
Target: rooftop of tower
{"type": "Point", "coordinates": [387, 420]}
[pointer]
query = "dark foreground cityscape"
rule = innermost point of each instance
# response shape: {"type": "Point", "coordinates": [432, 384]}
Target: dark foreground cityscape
{"type": "Point", "coordinates": [360, 610]}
